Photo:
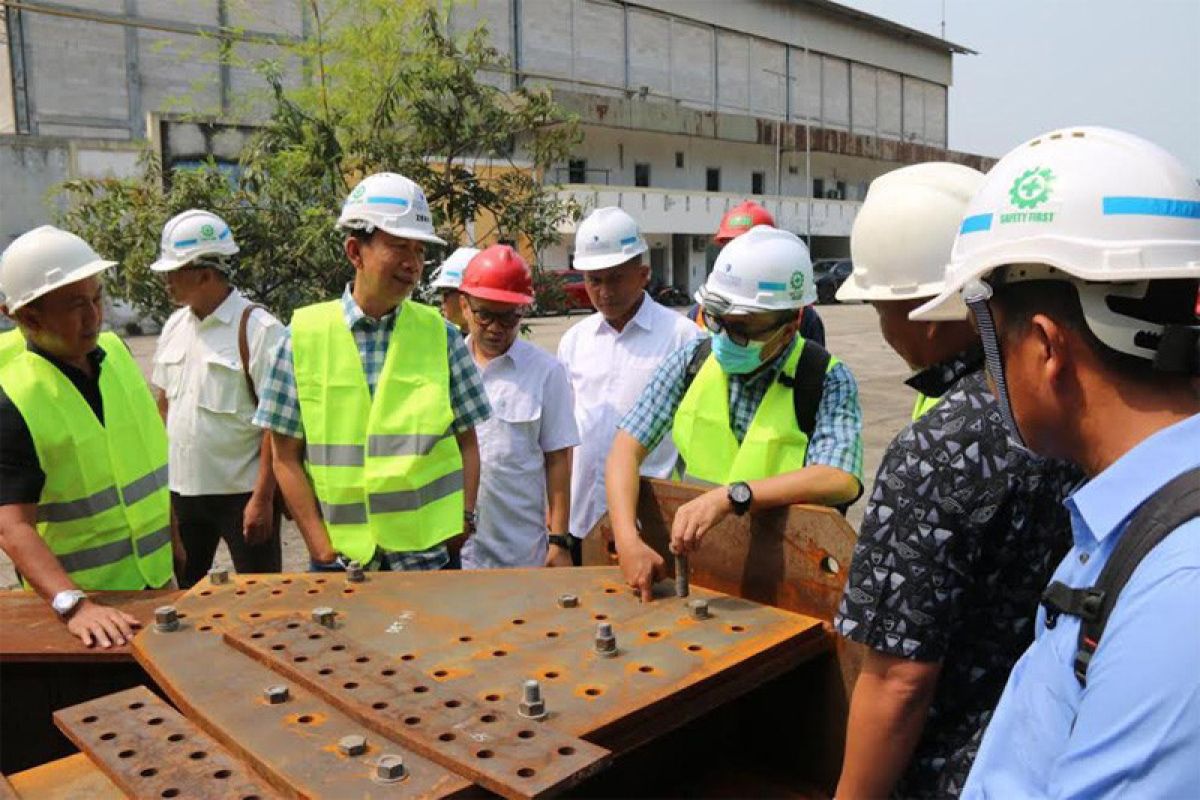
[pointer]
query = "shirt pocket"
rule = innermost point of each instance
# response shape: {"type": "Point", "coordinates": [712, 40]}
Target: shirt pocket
{"type": "Point", "coordinates": [223, 388]}
{"type": "Point", "coordinates": [518, 423]}
{"type": "Point", "coordinates": [170, 365]}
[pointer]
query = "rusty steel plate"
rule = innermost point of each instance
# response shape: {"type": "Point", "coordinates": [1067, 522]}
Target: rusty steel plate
{"type": "Point", "coordinates": [510, 755]}
{"type": "Point", "coordinates": [75, 777]}
{"type": "Point", "coordinates": [150, 750]}
{"type": "Point", "coordinates": [479, 634]}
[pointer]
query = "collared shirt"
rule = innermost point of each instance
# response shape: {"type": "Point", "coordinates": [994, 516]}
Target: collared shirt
{"type": "Point", "coordinates": [279, 404]}
{"type": "Point", "coordinates": [608, 371]}
{"type": "Point", "coordinates": [532, 414]}
{"type": "Point", "coordinates": [1135, 730]}
{"type": "Point", "coordinates": [837, 434]}
{"type": "Point", "coordinates": [959, 538]}
{"type": "Point", "coordinates": [214, 446]}
{"type": "Point", "coordinates": [21, 475]}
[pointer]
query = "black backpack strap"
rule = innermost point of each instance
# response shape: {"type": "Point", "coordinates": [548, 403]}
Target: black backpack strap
{"type": "Point", "coordinates": [699, 356]}
{"type": "Point", "coordinates": [808, 384]}
{"type": "Point", "coordinates": [1174, 504]}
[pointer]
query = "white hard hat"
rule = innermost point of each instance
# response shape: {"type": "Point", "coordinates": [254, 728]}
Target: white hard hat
{"type": "Point", "coordinates": [192, 234]}
{"type": "Point", "coordinates": [607, 238]}
{"type": "Point", "coordinates": [393, 204]}
{"type": "Point", "coordinates": [450, 274]}
{"type": "Point", "coordinates": [43, 260]}
{"type": "Point", "coordinates": [764, 269]}
{"type": "Point", "coordinates": [1100, 206]}
{"type": "Point", "coordinates": [904, 231]}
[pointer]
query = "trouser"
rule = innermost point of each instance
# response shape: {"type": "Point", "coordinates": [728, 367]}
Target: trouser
{"type": "Point", "coordinates": [204, 520]}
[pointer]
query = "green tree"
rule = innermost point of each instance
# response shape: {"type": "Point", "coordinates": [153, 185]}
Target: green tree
{"type": "Point", "coordinates": [389, 89]}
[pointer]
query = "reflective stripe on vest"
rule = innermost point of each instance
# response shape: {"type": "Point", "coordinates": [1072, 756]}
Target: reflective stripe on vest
{"type": "Point", "coordinates": [773, 445]}
{"type": "Point", "coordinates": [104, 510]}
{"type": "Point", "coordinates": [386, 469]}
{"type": "Point", "coordinates": [924, 405]}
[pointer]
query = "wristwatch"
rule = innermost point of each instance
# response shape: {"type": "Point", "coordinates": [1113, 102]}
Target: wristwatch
{"type": "Point", "coordinates": [562, 540]}
{"type": "Point", "coordinates": [740, 497]}
{"type": "Point", "coordinates": [66, 601]}
{"type": "Point", "coordinates": [470, 521]}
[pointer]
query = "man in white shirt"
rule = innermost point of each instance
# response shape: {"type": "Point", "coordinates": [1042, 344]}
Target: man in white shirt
{"type": "Point", "coordinates": [525, 448]}
{"type": "Point", "coordinates": [212, 355]}
{"type": "Point", "coordinates": [611, 355]}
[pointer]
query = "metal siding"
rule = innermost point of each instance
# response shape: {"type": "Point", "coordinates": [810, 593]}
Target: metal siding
{"type": "Point", "coordinates": [78, 67]}
{"type": "Point", "coordinates": [599, 42]}
{"type": "Point", "coordinates": [546, 37]}
{"type": "Point", "coordinates": [864, 98]}
{"type": "Point", "coordinates": [835, 92]}
{"type": "Point", "coordinates": [935, 114]}
{"type": "Point", "coordinates": [282, 17]}
{"type": "Point", "coordinates": [890, 103]}
{"type": "Point", "coordinates": [805, 86]}
{"type": "Point", "coordinates": [692, 62]}
{"type": "Point", "coordinates": [197, 12]}
{"type": "Point", "coordinates": [179, 72]}
{"type": "Point", "coordinates": [649, 51]}
{"type": "Point", "coordinates": [767, 64]}
{"type": "Point", "coordinates": [733, 71]}
{"type": "Point", "coordinates": [914, 109]}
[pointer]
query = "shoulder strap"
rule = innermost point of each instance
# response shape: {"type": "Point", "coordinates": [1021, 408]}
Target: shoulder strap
{"type": "Point", "coordinates": [699, 356]}
{"type": "Point", "coordinates": [1174, 504]}
{"type": "Point", "coordinates": [244, 348]}
{"type": "Point", "coordinates": [808, 384]}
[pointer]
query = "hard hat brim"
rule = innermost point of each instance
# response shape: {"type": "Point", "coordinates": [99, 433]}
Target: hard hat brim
{"type": "Point", "coordinates": [412, 233]}
{"type": "Point", "coordinates": [497, 295]}
{"type": "Point", "coordinates": [606, 261]}
{"type": "Point", "coordinates": [76, 275]}
{"type": "Point", "coordinates": [851, 291]}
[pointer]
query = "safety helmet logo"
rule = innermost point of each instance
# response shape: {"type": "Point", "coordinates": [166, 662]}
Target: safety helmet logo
{"type": "Point", "coordinates": [1031, 188]}
{"type": "Point", "coordinates": [208, 232]}
{"type": "Point", "coordinates": [358, 192]}
{"type": "Point", "coordinates": [797, 280]}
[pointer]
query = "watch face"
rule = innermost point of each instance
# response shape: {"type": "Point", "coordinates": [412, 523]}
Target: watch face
{"type": "Point", "coordinates": [739, 493]}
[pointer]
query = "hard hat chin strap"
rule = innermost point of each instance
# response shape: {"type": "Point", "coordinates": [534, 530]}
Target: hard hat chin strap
{"type": "Point", "coordinates": [976, 296]}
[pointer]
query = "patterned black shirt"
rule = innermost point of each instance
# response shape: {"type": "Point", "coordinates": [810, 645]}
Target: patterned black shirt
{"type": "Point", "coordinates": [959, 539]}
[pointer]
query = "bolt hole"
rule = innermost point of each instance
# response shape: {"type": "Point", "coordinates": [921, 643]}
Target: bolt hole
{"type": "Point", "coordinates": [304, 719]}
{"type": "Point", "coordinates": [420, 689]}
{"type": "Point", "coordinates": [830, 565]}
{"type": "Point", "coordinates": [218, 615]}
{"type": "Point", "coordinates": [362, 659]}
{"type": "Point", "coordinates": [694, 648]}
{"type": "Point", "coordinates": [205, 593]}
{"type": "Point", "coordinates": [205, 628]}
{"type": "Point", "coordinates": [127, 754]}
{"type": "Point", "coordinates": [277, 591]}
{"type": "Point", "coordinates": [255, 614]}
{"type": "Point", "coordinates": [155, 721]}
{"type": "Point", "coordinates": [412, 720]}
{"type": "Point", "coordinates": [175, 737]}
{"type": "Point", "coordinates": [136, 706]}
{"type": "Point", "coordinates": [525, 734]}
{"type": "Point", "coordinates": [337, 648]}
{"type": "Point", "coordinates": [653, 634]}
{"type": "Point", "coordinates": [300, 659]}
{"type": "Point", "coordinates": [550, 675]}
{"type": "Point", "coordinates": [313, 591]}
{"type": "Point", "coordinates": [107, 737]}
{"type": "Point", "coordinates": [172, 792]}
{"type": "Point", "coordinates": [518, 622]}
{"type": "Point", "coordinates": [240, 592]}
{"type": "Point", "coordinates": [325, 671]}
{"type": "Point", "coordinates": [488, 718]}
{"type": "Point", "coordinates": [492, 698]}
{"type": "Point", "coordinates": [222, 774]}
{"type": "Point", "coordinates": [89, 720]}
{"type": "Point", "coordinates": [526, 772]}
{"type": "Point", "coordinates": [484, 754]}
{"type": "Point", "coordinates": [387, 673]}
{"type": "Point", "coordinates": [407, 657]}
{"type": "Point", "coordinates": [314, 636]}
{"type": "Point", "coordinates": [736, 628]}
{"type": "Point", "coordinates": [446, 737]}
{"type": "Point", "coordinates": [610, 590]}
{"type": "Point", "coordinates": [600, 617]}
{"type": "Point", "coordinates": [440, 673]}
{"type": "Point", "coordinates": [552, 634]}
{"type": "Point", "coordinates": [319, 580]}
{"type": "Point", "coordinates": [349, 685]}
{"type": "Point", "coordinates": [566, 751]}
{"type": "Point", "coordinates": [453, 703]}
{"type": "Point", "coordinates": [291, 626]}
{"type": "Point", "coordinates": [252, 581]}
{"type": "Point", "coordinates": [286, 581]}
{"type": "Point", "coordinates": [258, 635]}
{"type": "Point", "coordinates": [196, 756]}
{"type": "Point", "coordinates": [645, 668]}
{"type": "Point", "coordinates": [499, 653]}
{"type": "Point", "coordinates": [277, 647]}
{"type": "Point", "coordinates": [464, 639]}
{"type": "Point", "coordinates": [592, 692]}
{"type": "Point", "coordinates": [148, 772]}
{"type": "Point", "coordinates": [379, 706]}
{"type": "Point", "coordinates": [347, 591]}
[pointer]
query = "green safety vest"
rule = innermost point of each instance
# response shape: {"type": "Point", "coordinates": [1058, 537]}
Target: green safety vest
{"type": "Point", "coordinates": [386, 469]}
{"type": "Point", "coordinates": [773, 445]}
{"type": "Point", "coordinates": [924, 404]}
{"type": "Point", "coordinates": [12, 344]}
{"type": "Point", "coordinates": [104, 511]}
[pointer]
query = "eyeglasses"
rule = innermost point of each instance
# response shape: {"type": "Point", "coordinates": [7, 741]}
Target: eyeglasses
{"type": "Point", "coordinates": [742, 333]}
{"type": "Point", "coordinates": [509, 319]}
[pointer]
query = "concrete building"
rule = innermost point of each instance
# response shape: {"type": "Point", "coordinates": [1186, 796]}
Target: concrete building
{"type": "Point", "coordinates": [687, 106]}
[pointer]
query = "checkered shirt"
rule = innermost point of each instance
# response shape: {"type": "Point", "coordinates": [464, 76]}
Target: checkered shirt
{"type": "Point", "coordinates": [279, 403]}
{"type": "Point", "coordinates": [837, 435]}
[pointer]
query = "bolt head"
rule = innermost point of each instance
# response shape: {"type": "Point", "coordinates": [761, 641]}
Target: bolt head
{"type": "Point", "coordinates": [324, 615]}
{"type": "Point", "coordinates": [354, 572]}
{"type": "Point", "coordinates": [166, 618]}
{"type": "Point", "coordinates": [389, 768]}
{"type": "Point", "coordinates": [352, 745]}
{"type": "Point", "coordinates": [568, 601]}
{"type": "Point", "coordinates": [276, 694]}
{"type": "Point", "coordinates": [218, 576]}
{"type": "Point", "coordinates": [532, 710]}
{"type": "Point", "coordinates": [698, 608]}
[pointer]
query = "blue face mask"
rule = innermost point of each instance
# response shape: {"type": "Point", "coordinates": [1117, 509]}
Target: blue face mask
{"type": "Point", "coordinates": [734, 358]}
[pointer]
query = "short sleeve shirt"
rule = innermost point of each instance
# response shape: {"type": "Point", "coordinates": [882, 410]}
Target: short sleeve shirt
{"type": "Point", "coordinates": [959, 538]}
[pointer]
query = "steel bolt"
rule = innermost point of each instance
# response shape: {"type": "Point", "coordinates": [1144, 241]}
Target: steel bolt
{"type": "Point", "coordinates": [568, 601]}
{"type": "Point", "coordinates": [698, 608]}
{"type": "Point", "coordinates": [218, 576]}
{"type": "Point", "coordinates": [354, 572]}
{"type": "Point", "coordinates": [606, 642]}
{"type": "Point", "coordinates": [323, 615]}
{"type": "Point", "coordinates": [352, 745]}
{"type": "Point", "coordinates": [532, 705]}
{"type": "Point", "coordinates": [681, 576]}
{"type": "Point", "coordinates": [166, 619]}
{"type": "Point", "coordinates": [389, 768]}
{"type": "Point", "coordinates": [276, 694]}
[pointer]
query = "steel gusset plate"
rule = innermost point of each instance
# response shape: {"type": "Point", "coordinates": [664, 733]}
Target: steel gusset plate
{"type": "Point", "coordinates": [501, 751]}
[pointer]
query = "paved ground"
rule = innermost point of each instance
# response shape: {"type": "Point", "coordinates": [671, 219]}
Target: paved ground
{"type": "Point", "coordinates": [853, 337]}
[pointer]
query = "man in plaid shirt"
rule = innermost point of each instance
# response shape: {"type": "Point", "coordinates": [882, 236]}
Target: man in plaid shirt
{"type": "Point", "coordinates": [388, 223]}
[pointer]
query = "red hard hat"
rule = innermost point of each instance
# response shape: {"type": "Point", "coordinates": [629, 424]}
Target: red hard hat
{"type": "Point", "coordinates": [740, 219]}
{"type": "Point", "coordinates": [498, 273]}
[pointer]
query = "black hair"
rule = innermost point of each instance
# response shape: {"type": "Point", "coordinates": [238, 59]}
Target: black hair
{"type": "Point", "coordinates": [360, 235]}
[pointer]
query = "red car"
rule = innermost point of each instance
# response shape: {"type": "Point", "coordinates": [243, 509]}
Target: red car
{"type": "Point", "coordinates": [577, 296]}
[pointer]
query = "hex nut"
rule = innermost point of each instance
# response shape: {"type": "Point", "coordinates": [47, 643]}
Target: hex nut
{"type": "Point", "coordinates": [166, 619]}
{"type": "Point", "coordinates": [390, 768]}
{"type": "Point", "coordinates": [354, 572]}
{"type": "Point", "coordinates": [218, 576]}
{"type": "Point", "coordinates": [568, 601]}
{"type": "Point", "coordinates": [698, 609]}
{"type": "Point", "coordinates": [324, 615]}
{"type": "Point", "coordinates": [606, 641]}
{"type": "Point", "coordinates": [353, 745]}
{"type": "Point", "coordinates": [532, 710]}
{"type": "Point", "coordinates": [276, 694]}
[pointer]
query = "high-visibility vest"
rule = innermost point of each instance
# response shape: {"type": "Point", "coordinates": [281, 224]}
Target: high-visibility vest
{"type": "Point", "coordinates": [386, 469]}
{"type": "Point", "coordinates": [773, 445]}
{"type": "Point", "coordinates": [924, 404]}
{"type": "Point", "coordinates": [12, 344]}
{"type": "Point", "coordinates": [105, 510]}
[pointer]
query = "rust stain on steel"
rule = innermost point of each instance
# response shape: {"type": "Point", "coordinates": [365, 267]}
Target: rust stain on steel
{"type": "Point", "coordinates": [499, 750]}
{"type": "Point", "coordinates": [794, 558]}
{"type": "Point", "coordinates": [69, 778]}
{"type": "Point", "coordinates": [150, 750]}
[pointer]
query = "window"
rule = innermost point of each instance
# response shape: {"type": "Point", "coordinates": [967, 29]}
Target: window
{"type": "Point", "coordinates": [758, 182]}
{"type": "Point", "coordinates": [818, 187]}
{"type": "Point", "coordinates": [577, 170]}
{"type": "Point", "coordinates": [679, 159]}
{"type": "Point", "coordinates": [641, 174]}
{"type": "Point", "coordinates": [841, 190]}
{"type": "Point", "coordinates": [712, 179]}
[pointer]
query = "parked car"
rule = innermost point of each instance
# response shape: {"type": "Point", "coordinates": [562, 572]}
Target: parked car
{"type": "Point", "coordinates": [577, 296]}
{"type": "Point", "coordinates": [829, 274]}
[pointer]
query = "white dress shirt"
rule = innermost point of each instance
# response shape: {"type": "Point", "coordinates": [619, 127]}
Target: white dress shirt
{"type": "Point", "coordinates": [213, 447]}
{"type": "Point", "coordinates": [608, 371]}
{"type": "Point", "coordinates": [531, 415]}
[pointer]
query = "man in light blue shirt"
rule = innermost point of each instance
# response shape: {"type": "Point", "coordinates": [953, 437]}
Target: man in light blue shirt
{"type": "Point", "coordinates": [1080, 259]}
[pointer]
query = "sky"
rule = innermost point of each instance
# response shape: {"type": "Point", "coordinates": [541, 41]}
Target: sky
{"type": "Point", "coordinates": [1045, 64]}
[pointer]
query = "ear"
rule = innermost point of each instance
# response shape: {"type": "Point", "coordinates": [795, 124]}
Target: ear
{"type": "Point", "coordinates": [353, 248]}
{"type": "Point", "coordinates": [1052, 346]}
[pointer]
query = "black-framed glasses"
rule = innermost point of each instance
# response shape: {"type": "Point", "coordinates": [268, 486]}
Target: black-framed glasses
{"type": "Point", "coordinates": [507, 319]}
{"type": "Point", "coordinates": [740, 331]}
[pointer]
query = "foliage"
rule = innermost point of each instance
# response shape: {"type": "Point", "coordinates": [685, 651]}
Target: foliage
{"type": "Point", "coordinates": [389, 89]}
